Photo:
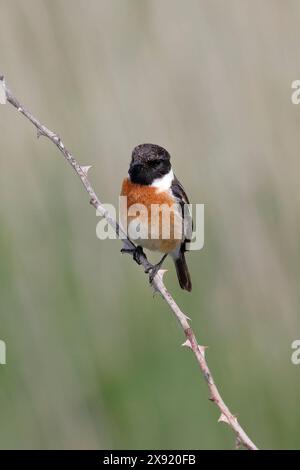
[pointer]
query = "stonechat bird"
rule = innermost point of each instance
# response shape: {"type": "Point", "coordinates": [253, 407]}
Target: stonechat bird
{"type": "Point", "coordinates": [156, 209]}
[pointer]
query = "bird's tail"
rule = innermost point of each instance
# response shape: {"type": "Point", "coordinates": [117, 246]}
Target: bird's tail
{"type": "Point", "coordinates": [183, 274]}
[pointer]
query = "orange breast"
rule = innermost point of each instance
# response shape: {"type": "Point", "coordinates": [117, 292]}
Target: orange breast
{"type": "Point", "coordinates": [156, 215]}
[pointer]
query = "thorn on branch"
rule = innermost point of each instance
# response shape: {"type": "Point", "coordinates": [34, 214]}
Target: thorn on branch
{"type": "Point", "coordinates": [187, 344]}
{"type": "Point", "coordinates": [86, 169]}
{"type": "Point", "coordinates": [39, 133]}
{"type": "Point", "coordinates": [223, 419]}
{"type": "Point", "coordinates": [202, 349]}
{"type": "Point", "coordinates": [161, 273]}
{"type": "Point", "coordinates": [3, 98]}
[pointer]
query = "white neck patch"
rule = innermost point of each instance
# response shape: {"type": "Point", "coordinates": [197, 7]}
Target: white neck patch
{"type": "Point", "coordinates": [163, 183]}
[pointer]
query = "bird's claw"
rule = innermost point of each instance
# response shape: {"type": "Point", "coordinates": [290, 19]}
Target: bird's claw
{"type": "Point", "coordinates": [136, 253]}
{"type": "Point", "coordinates": [152, 271]}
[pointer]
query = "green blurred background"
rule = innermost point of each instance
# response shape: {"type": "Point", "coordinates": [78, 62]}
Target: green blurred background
{"type": "Point", "coordinates": [93, 360]}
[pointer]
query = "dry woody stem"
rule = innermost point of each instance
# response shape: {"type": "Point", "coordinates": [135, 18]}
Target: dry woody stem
{"type": "Point", "coordinates": [191, 342]}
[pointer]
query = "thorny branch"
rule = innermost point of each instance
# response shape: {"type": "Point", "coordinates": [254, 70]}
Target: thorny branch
{"type": "Point", "coordinates": [158, 284]}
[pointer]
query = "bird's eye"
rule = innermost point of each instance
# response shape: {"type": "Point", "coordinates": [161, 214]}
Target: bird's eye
{"type": "Point", "coordinates": [154, 163]}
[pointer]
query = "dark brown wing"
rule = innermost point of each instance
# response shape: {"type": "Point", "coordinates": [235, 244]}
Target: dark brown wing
{"type": "Point", "coordinates": [181, 197]}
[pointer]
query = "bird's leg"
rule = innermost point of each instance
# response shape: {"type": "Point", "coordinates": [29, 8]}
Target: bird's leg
{"type": "Point", "coordinates": [153, 270]}
{"type": "Point", "coordinates": [136, 253]}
